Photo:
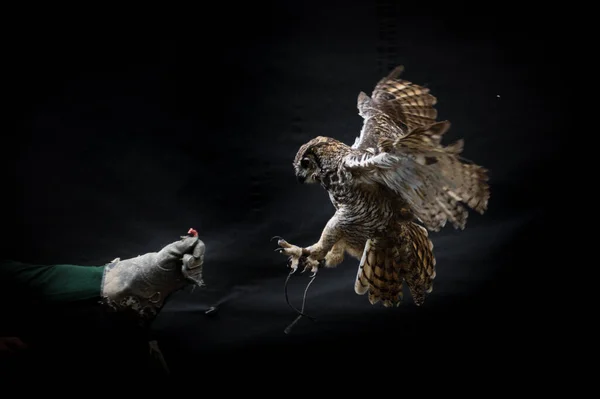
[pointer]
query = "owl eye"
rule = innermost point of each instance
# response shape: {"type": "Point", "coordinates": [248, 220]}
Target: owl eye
{"type": "Point", "coordinates": [305, 163]}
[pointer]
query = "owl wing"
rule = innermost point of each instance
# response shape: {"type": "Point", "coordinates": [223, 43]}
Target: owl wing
{"type": "Point", "coordinates": [432, 179]}
{"type": "Point", "coordinates": [395, 107]}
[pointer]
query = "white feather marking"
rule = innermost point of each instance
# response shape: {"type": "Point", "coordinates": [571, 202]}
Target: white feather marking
{"type": "Point", "coordinates": [453, 194]}
{"type": "Point", "coordinates": [358, 287]}
{"type": "Point", "coordinates": [447, 211]}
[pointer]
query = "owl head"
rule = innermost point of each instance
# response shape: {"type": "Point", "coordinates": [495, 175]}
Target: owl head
{"type": "Point", "coordinates": [315, 157]}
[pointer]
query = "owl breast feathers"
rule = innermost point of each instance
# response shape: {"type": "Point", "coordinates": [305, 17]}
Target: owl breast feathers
{"type": "Point", "coordinates": [396, 182]}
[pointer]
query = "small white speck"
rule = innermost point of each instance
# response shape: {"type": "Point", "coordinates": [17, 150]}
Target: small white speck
{"type": "Point", "coordinates": [498, 95]}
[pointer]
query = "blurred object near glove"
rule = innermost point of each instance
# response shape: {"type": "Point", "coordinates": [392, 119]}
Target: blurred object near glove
{"type": "Point", "coordinates": [142, 284]}
{"type": "Point", "coordinates": [10, 345]}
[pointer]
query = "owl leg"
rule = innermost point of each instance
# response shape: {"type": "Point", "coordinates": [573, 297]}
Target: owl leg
{"type": "Point", "coordinates": [325, 252]}
{"type": "Point", "coordinates": [312, 257]}
{"type": "Point", "coordinates": [336, 255]}
{"type": "Point", "coordinates": [300, 257]}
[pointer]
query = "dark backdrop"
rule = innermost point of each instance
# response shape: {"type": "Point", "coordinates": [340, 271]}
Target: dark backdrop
{"type": "Point", "coordinates": [122, 143]}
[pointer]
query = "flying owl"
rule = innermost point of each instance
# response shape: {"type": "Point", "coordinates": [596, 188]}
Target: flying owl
{"type": "Point", "coordinates": [393, 185]}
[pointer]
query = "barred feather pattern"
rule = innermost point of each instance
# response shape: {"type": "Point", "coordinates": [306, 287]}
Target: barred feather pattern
{"type": "Point", "coordinates": [395, 107]}
{"type": "Point", "coordinates": [403, 256]}
{"type": "Point", "coordinates": [407, 102]}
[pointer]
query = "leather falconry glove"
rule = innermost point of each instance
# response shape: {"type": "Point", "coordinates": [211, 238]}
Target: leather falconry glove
{"type": "Point", "coordinates": [142, 284]}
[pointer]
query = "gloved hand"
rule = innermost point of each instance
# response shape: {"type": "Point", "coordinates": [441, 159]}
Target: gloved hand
{"type": "Point", "coordinates": [142, 284]}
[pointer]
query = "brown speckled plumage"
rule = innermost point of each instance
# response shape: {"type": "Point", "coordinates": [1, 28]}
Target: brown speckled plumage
{"type": "Point", "coordinates": [393, 185]}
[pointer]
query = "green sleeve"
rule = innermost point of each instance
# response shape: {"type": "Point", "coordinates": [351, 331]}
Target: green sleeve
{"type": "Point", "coordinates": [60, 284]}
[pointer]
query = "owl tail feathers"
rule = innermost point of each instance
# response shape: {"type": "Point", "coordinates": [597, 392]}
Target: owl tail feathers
{"type": "Point", "coordinates": [377, 276]}
{"type": "Point", "coordinates": [405, 256]}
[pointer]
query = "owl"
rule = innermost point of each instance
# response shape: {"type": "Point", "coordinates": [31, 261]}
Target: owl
{"type": "Point", "coordinates": [396, 183]}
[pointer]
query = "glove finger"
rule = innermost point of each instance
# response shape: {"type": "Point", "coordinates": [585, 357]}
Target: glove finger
{"type": "Point", "coordinates": [199, 250]}
{"type": "Point", "coordinates": [196, 259]}
{"type": "Point", "coordinates": [192, 269]}
{"type": "Point", "coordinates": [190, 262]}
{"type": "Point", "coordinates": [178, 248]}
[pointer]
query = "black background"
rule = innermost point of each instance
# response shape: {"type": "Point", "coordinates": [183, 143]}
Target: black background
{"type": "Point", "coordinates": [121, 143]}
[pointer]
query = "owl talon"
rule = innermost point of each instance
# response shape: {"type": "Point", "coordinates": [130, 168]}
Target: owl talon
{"type": "Point", "coordinates": [312, 265]}
{"type": "Point", "coordinates": [294, 252]}
{"type": "Point", "coordinates": [314, 269]}
{"type": "Point", "coordinates": [293, 263]}
{"type": "Point", "coordinates": [287, 248]}
{"type": "Point", "coordinates": [283, 243]}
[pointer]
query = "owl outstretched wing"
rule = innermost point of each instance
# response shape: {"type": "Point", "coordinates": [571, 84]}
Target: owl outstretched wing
{"type": "Point", "coordinates": [395, 107]}
{"type": "Point", "coordinates": [400, 148]}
